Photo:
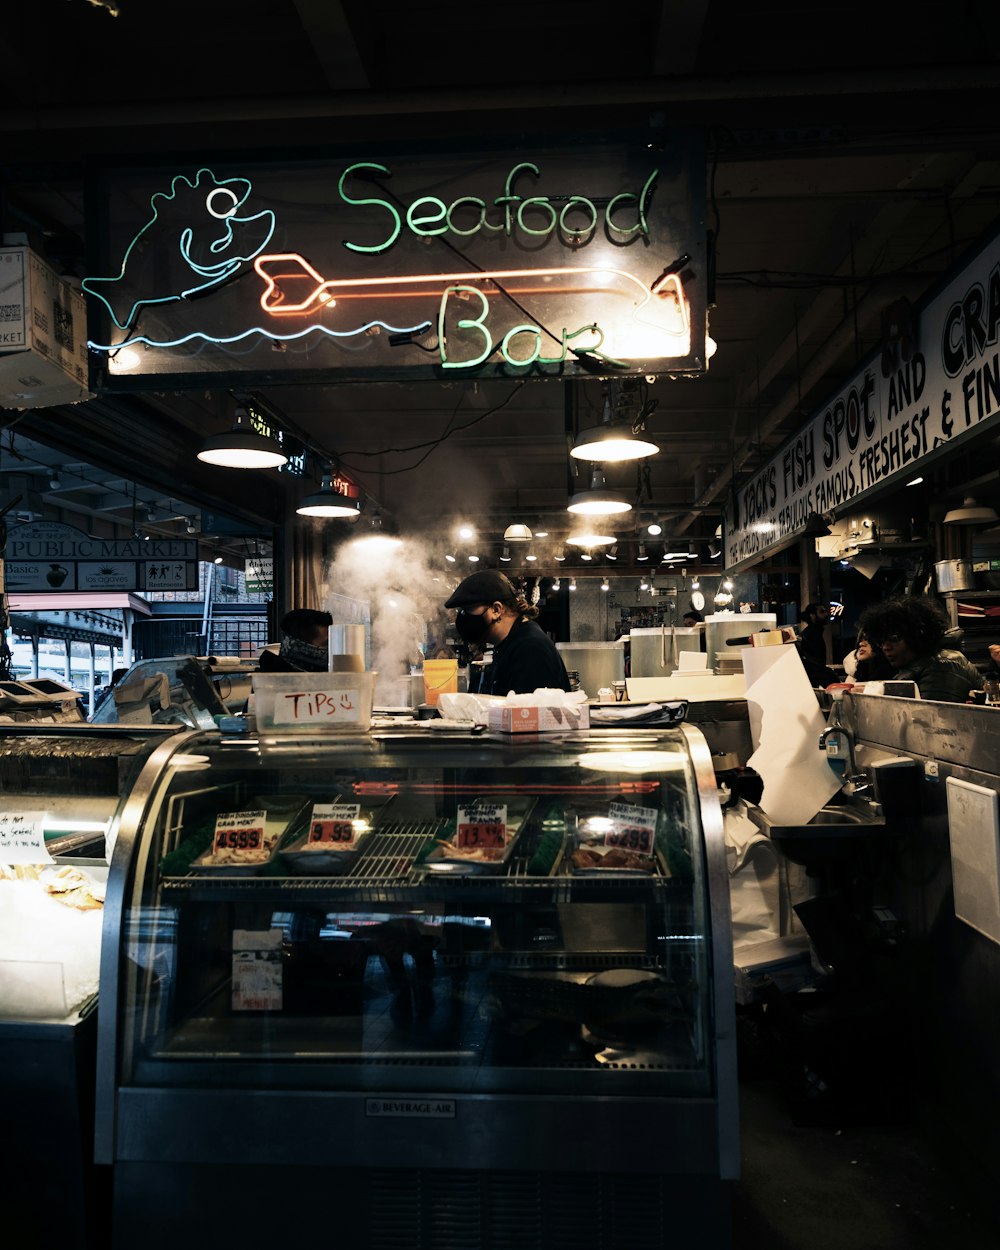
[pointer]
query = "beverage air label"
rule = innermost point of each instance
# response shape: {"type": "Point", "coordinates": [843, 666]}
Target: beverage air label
{"type": "Point", "coordinates": [335, 825]}
{"type": "Point", "coordinates": [632, 828]}
{"type": "Point", "coordinates": [482, 825]}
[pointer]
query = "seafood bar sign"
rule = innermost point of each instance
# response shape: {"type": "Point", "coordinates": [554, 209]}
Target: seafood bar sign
{"type": "Point", "coordinates": [549, 262]}
{"type": "Point", "coordinates": [49, 556]}
{"type": "Point", "coordinates": [931, 387]}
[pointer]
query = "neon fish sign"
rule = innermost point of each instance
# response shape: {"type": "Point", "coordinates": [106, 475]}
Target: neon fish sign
{"type": "Point", "coordinates": [204, 225]}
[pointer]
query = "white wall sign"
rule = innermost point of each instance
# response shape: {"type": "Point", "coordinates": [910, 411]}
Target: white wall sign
{"type": "Point", "coordinates": [879, 429]}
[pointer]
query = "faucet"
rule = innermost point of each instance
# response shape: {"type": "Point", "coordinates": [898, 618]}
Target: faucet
{"type": "Point", "coordinates": [838, 743]}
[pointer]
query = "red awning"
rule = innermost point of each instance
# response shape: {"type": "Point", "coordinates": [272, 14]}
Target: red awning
{"type": "Point", "coordinates": [81, 601]}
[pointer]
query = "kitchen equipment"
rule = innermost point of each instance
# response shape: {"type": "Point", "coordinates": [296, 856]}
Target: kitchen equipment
{"type": "Point", "coordinates": [598, 664]}
{"type": "Point", "coordinates": [953, 575]}
{"type": "Point", "coordinates": [654, 650]}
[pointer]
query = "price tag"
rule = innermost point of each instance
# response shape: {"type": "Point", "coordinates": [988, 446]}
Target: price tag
{"type": "Point", "coordinates": [631, 828]}
{"type": "Point", "coordinates": [482, 825]}
{"type": "Point", "coordinates": [22, 838]}
{"type": "Point", "coordinates": [237, 832]}
{"type": "Point", "coordinates": [336, 824]}
{"type": "Point", "coordinates": [317, 707]}
{"type": "Point", "coordinates": [256, 984]}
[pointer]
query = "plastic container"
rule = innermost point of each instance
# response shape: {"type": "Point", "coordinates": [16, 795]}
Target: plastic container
{"type": "Point", "coordinates": [598, 664]}
{"type": "Point", "coordinates": [298, 703]}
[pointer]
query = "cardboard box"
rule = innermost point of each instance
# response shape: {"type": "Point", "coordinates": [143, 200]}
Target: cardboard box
{"type": "Point", "coordinates": [43, 335]}
{"type": "Point", "coordinates": [515, 719]}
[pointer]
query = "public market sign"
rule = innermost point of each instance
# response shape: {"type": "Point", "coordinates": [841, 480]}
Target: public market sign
{"type": "Point", "coordinates": [550, 262]}
{"type": "Point", "coordinates": [879, 430]}
{"type": "Point", "coordinates": [50, 556]}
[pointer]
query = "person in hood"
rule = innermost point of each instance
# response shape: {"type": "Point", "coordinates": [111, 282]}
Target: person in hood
{"type": "Point", "coordinates": [304, 646]}
{"type": "Point", "coordinates": [490, 610]}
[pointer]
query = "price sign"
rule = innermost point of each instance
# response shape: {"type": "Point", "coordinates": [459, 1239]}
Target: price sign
{"type": "Point", "coordinates": [256, 984]}
{"type": "Point", "coordinates": [22, 838]}
{"type": "Point", "coordinates": [482, 825]}
{"type": "Point", "coordinates": [335, 824]}
{"type": "Point", "coordinates": [632, 828]}
{"type": "Point", "coordinates": [237, 832]}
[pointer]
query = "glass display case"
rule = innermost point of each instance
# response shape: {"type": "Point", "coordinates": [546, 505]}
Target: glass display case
{"type": "Point", "coordinates": [429, 972]}
{"type": "Point", "coordinates": [61, 791]}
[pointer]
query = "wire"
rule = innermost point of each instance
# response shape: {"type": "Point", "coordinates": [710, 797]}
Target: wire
{"type": "Point", "coordinates": [433, 446]}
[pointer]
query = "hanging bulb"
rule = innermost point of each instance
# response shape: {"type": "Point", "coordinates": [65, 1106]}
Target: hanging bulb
{"type": "Point", "coordinates": [605, 584]}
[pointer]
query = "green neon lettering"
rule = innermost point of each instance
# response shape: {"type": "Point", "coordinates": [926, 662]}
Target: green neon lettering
{"type": "Point", "coordinates": [581, 203]}
{"type": "Point", "coordinates": [417, 223]}
{"type": "Point", "coordinates": [465, 323]}
{"type": "Point", "coordinates": [381, 247]}
{"type": "Point", "coordinates": [542, 204]}
{"type": "Point", "coordinates": [469, 199]}
{"type": "Point", "coordinates": [641, 226]}
{"type": "Point", "coordinates": [508, 197]}
{"type": "Point", "coordinates": [595, 329]}
{"type": "Point", "coordinates": [509, 336]}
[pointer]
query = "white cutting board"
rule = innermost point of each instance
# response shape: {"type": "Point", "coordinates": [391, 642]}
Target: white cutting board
{"type": "Point", "coordinates": [692, 689]}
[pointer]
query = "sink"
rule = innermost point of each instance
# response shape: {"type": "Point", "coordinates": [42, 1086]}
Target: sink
{"type": "Point", "coordinates": [834, 835]}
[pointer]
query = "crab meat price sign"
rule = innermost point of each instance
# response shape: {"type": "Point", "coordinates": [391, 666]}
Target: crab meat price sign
{"type": "Point", "coordinates": [482, 825]}
{"type": "Point", "coordinates": [238, 831]}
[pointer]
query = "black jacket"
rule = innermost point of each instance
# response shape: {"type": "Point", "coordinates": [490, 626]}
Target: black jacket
{"type": "Point", "coordinates": [526, 660]}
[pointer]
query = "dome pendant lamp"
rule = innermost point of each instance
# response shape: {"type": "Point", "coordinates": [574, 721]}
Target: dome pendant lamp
{"type": "Point", "coordinates": [327, 502]}
{"type": "Point", "coordinates": [598, 500]}
{"type": "Point", "coordinates": [242, 447]}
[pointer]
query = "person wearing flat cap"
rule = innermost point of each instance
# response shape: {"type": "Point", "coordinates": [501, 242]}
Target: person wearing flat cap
{"type": "Point", "coordinates": [490, 610]}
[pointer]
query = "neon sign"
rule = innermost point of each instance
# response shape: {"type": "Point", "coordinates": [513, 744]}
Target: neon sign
{"type": "Point", "coordinates": [531, 265]}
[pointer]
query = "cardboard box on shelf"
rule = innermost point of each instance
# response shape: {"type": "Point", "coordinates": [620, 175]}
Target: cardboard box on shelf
{"type": "Point", "coordinates": [521, 718]}
{"type": "Point", "coordinates": [43, 334]}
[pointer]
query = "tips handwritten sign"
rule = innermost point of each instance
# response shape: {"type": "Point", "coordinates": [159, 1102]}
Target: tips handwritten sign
{"type": "Point", "coordinates": [22, 838]}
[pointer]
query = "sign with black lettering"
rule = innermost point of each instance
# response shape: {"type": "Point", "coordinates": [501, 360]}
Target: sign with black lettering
{"type": "Point", "coordinates": [631, 828]}
{"type": "Point", "coordinates": [935, 383]}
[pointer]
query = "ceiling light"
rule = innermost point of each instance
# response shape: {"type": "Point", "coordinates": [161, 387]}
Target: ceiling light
{"type": "Point", "coordinates": [466, 532]}
{"type": "Point", "coordinates": [914, 481]}
{"type": "Point", "coordinates": [572, 584]}
{"type": "Point", "coordinates": [556, 584]}
{"type": "Point", "coordinates": [971, 513]}
{"type": "Point", "coordinates": [327, 502]}
{"type": "Point", "coordinates": [611, 444]}
{"type": "Point", "coordinates": [654, 528]}
{"type": "Point", "coordinates": [191, 525]}
{"type": "Point", "coordinates": [378, 537]}
{"type": "Point", "coordinates": [531, 556]}
{"type": "Point", "coordinates": [242, 447]}
{"type": "Point", "coordinates": [473, 559]}
{"type": "Point", "coordinates": [517, 533]}
{"type": "Point", "coordinates": [505, 554]}
{"type": "Point", "coordinates": [605, 584]}
{"type": "Point", "coordinates": [644, 585]}
{"type": "Point", "coordinates": [597, 500]}
{"type": "Point", "coordinates": [612, 552]}
{"type": "Point", "coordinates": [54, 482]}
{"type": "Point", "coordinates": [217, 560]}
{"type": "Point", "coordinates": [450, 559]}
{"type": "Point", "coordinates": [541, 533]}
{"type": "Point", "coordinates": [585, 555]}
{"type": "Point", "coordinates": [560, 555]}
{"type": "Point", "coordinates": [695, 584]}
{"type": "Point", "coordinates": [588, 539]}
{"type": "Point", "coordinates": [642, 554]}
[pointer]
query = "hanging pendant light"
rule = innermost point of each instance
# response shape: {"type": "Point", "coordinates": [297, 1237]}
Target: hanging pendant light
{"type": "Point", "coordinates": [517, 533]}
{"type": "Point", "coordinates": [971, 513]}
{"type": "Point", "coordinates": [327, 502]}
{"type": "Point", "coordinates": [610, 441]}
{"type": "Point", "coordinates": [598, 500]}
{"type": "Point", "coordinates": [242, 447]}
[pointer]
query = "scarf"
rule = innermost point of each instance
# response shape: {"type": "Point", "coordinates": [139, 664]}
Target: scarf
{"type": "Point", "coordinates": [304, 656]}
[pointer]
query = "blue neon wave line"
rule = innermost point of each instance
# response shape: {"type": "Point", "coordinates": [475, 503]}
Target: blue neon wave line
{"type": "Point", "coordinates": [284, 338]}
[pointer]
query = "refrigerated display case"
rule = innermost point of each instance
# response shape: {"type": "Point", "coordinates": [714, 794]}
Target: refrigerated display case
{"type": "Point", "coordinates": [420, 989]}
{"type": "Point", "coordinates": [63, 784]}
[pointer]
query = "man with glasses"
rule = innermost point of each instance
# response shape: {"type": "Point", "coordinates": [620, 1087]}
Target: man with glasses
{"type": "Point", "coordinates": [911, 634]}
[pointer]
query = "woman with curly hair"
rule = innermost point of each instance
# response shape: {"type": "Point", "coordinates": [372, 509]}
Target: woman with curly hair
{"type": "Point", "coordinates": [911, 633]}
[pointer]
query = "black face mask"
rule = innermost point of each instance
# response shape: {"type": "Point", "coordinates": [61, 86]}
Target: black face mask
{"type": "Point", "coordinates": [472, 629]}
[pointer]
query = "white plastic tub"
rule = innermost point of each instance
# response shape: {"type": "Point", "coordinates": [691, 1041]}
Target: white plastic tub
{"type": "Point", "coordinates": [289, 703]}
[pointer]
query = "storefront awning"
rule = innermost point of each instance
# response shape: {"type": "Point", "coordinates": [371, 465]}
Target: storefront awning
{"type": "Point", "coordinates": [87, 601]}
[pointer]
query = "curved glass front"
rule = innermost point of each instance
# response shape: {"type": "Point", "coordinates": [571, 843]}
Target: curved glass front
{"type": "Point", "coordinates": [421, 911]}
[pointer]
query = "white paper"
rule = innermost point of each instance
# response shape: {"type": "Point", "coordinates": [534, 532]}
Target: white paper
{"type": "Point", "coordinates": [756, 662]}
{"type": "Point", "coordinates": [22, 838]}
{"type": "Point", "coordinates": [692, 661]}
{"type": "Point", "coordinates": [798, 781]}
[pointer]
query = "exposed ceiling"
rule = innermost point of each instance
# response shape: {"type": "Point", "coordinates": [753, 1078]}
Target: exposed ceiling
{"type": "Point", "coordinates": [853, 158]}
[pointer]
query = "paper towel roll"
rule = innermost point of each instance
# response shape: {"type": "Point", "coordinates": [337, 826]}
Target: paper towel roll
{"type": "Point", "coordinates": [756, 662]}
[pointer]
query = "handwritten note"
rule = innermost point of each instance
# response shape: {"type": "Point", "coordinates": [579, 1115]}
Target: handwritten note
{"type": "Point", "coordinates": [22, 838]}
{"type": "Point", "coordinates": [317, 707]}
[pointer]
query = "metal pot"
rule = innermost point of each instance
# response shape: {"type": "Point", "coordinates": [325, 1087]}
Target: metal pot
{"type": "Point", "coordinates": [953, 575]}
